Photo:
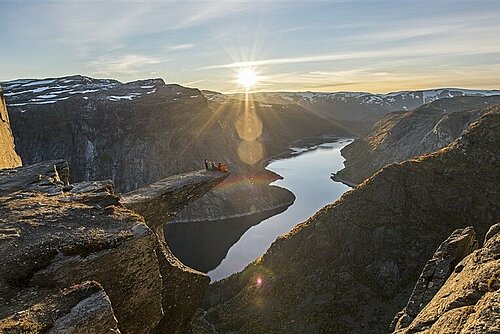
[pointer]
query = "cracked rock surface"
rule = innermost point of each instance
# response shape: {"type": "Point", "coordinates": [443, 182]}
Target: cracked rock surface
{"type": "Point", "coordinates": [75, 260]}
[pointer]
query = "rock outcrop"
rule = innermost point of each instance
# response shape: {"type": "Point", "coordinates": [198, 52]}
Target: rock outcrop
{"type": "Point", "coordinates": [80, 308]}
{"type": "Point", "coordinates": [159, 203]}
{"type": "Point", "coordinates": [8, 157]}
{"type": "Point", "coordinates": [403, 135]}
{"type": "Point", "coordinates": [461, 243]}
{"type": "Point", "coordinates": [76, 260]}
{"type": "Point", "coordinates": [469, 300]}
{"type": "Point", "coordinates": [351, 267]}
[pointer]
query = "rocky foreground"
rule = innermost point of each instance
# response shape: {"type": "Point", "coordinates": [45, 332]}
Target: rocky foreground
{"type": "Point", "coordinates": [78, 258]}
{"type": "Point", "coordinates": [458, 290]}
{"type": "Point", "coordinates": [352, 266]}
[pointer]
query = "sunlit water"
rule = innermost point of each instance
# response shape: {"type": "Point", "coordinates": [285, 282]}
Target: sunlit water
{"type": "Point", "coordinates": [307, 175]}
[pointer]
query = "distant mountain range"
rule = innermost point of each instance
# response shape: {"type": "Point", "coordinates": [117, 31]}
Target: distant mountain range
{"type": "Point", "coordinates": [360, 110]}
{"type": "Point", "coordinates": [402, 100]}
{"type": "Point", "coordinates": [138, 132]}
{"type": "Point", "coordinates": [23, 92]}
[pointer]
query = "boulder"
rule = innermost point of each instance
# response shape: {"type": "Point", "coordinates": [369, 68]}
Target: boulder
{"type": "Point", "coordinates": [469, 300]}
{"type": "Point", "coordinates": [459, 244]}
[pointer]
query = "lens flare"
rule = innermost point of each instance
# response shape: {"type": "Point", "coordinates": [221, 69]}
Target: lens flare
{"type": "Point", "coordinates": [259, 281]}
{"type": "Point", "coordinates": [250, 152]}
{"type": "Point", "coordinates": [249, 126]}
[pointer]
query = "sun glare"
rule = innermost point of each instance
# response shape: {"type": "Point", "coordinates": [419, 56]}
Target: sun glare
{"type": "Point", "coordinates": [247, 78]}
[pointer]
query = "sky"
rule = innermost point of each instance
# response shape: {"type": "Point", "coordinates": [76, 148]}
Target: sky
{"type": "Point", "coordinates": [374, 46]}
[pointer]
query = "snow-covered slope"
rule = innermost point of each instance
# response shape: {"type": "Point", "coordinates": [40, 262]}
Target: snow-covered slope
{"type": "Point", "coordinates": [361, 108]}
{"type": "Point", "coordinates": [24, 92]}
{"type": "Point", "coordinates": [403, 100]}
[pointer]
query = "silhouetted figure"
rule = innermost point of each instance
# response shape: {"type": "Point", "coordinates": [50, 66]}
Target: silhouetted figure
{"type": "Point", "coordinates": [206, 164]}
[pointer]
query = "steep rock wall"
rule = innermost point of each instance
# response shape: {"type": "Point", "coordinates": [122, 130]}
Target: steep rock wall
{"type": "Point", "coordinates": [8, 155]}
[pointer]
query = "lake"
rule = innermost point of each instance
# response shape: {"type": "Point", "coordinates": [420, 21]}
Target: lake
{"type": "Point", "coordinates": [227, 246]}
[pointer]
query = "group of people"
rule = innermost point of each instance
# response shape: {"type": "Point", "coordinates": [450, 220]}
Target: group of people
{"type": "Point", "coordinates": [221, 166]}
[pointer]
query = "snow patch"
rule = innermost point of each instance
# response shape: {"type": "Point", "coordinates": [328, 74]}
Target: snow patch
{"type": "Point", "coordinates": [38, 83]}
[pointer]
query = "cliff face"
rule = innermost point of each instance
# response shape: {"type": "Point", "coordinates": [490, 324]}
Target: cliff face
{"type": "Point", "coordinates": [400, 136]}
{"type": "Point", "coordinates": [9, 157]}
{"type": "Point", "coordinates": [75, 259]}
{"type": "Point", "coordinates": [468, 301]}
{"type": "Point", "coordinates": [351, 266]}
{"type": "Point", "coordinates": [139, 132]}
{"type": "Point", "coordinates": [461, 243]}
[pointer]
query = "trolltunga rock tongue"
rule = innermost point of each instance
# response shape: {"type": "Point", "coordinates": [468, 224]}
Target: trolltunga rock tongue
{"type": "Point", "coordinates": [159, 202]}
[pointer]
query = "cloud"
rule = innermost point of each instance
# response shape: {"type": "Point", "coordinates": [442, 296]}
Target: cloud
{"type": "Point", "coordinates": [126, 64]}
{"type": "Point", "coordinates": [404, 52]}
{"type": "Point", "coordinates": [180, 47]}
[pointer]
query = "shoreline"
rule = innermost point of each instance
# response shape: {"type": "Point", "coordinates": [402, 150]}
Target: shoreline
{"type": "Point", "coordinates": [309, 141]}
{"type": "Point", "coordinates": [336, 178]}
{"type": "Point", "coordinates": [304, 142]}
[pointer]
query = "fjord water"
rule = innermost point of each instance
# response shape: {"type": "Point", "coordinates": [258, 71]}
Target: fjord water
{"type": "Point", "coordinates": [306, 173]}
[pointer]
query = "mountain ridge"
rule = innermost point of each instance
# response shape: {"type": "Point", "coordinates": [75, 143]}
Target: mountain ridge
{"type": "Point", "coordinates": [399, 136]}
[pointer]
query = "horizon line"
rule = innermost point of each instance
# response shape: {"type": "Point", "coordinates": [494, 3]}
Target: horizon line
{"type": "Point", "coordinates": [3, 81]}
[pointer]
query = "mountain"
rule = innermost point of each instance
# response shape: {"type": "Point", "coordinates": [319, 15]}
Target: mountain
{"type": "Point", "coordinates": [359, 110]}
{"type": "Point", "coordinates": [399, 136]}
{"type": "Point", "coordinates": [138, 132]}
{"type": "Point", "coordinates": [9, 157]}
{"type": "Point", "coordinates": [350, 267]}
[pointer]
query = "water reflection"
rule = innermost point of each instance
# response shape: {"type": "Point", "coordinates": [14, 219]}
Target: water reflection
{"type": "Point", "coordinates": [203, 245]}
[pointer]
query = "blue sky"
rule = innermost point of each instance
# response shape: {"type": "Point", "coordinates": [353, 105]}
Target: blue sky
{"type": "Point", "coordinates": [376, 46]}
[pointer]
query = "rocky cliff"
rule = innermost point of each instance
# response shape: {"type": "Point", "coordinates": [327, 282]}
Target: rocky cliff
{"type": "Point", "coordinates": [404, 135]}
{"type": "Point", "coordinates": [76, 260]}
{"type": "Point", "coordinates": [8, 156]}
{"type": "Point", "coordinates": [351, 267]}
{"type": "Point", "coordinates": [461, 243]}
{"type": "Point", "coordinates": [469, 300]}
{"type": "Point", "coordinates": [140, 132]}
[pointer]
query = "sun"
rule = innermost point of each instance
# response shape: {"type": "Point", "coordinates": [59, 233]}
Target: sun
{"type": "Point", "coordinates": [247, 78]}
